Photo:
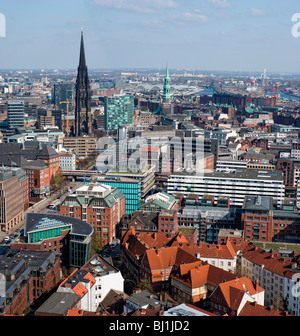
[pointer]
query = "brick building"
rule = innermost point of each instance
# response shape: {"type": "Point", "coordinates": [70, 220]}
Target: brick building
{"type": "Point", "coordinates": [194, 282]}
{"type": "Point", "coordinates": [13, 198]}
{"type": "Point", "coordinates": [230, 297]}
{"type": "Point", "coordinates": [261, 220]}
{"type": "Point", "coordinates": [39, 178]}
{"type": "Point", "coordinates": [29, 276]}
{"type": "Point", "coordinates": [99, 205]}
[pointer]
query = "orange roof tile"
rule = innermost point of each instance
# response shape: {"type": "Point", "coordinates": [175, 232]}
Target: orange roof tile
{"type": "Point", "coordinates": [199, 273]}
{"type": "Point", "coordinates": [234, 290]}
{"type": "Point", "coordinates": [70, 276]}
{"type": "Point", "coordinates": [260, 257]}
{"type": "Point", "coordinates": [79, 289]}
{"type": "Point", "coordinates": [254, 309]}
{"type": "Point", "coordinates": [91, 278]}
{"type": "Point", "coordinates": [168, 256]}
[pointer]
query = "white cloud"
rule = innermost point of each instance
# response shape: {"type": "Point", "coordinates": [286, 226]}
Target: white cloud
{"type": "Point", "coordinates": [196, 16]}
{"type": "Point", "coordinates": [257, 12]}
{"type": "Point", "coordinates": [220, 3]}
{"type": "Point", "coordinates": [140, 6]}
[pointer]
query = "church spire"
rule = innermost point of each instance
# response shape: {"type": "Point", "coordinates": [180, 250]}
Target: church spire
{"type": "Point", "coordinates": [82, 62]}
{"type": "Point", "coordinates": [83, 114]}
{"type": "Point", "coordinates": [167, 88]}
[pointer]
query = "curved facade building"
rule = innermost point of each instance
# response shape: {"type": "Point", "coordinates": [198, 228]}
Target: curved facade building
{"type": "Point", "coordinates": [67, 235]}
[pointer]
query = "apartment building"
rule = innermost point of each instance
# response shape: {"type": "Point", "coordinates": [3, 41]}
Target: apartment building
{"type": "Point", "coordinates": [100, 205]}
{"type": "Point", "coordinates": [277, 275]}
{"type": "Point", "coordinates": [82, 146]}
{"type": "Point", "coordinates": [11, 200]}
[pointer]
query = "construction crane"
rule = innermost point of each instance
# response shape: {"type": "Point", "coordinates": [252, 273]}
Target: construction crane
{"type": "Point", "coordinates": [67, 121]}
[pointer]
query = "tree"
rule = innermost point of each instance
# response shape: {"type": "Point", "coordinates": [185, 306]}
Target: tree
{"type": "Point", "coordinates": [96, 244]}
{"type": "Point", "coordinates": [145, 284]}
{"type": "Point", "coordinates": [57, 180]}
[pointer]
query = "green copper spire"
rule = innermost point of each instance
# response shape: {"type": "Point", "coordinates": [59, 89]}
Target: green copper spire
{"type": "Point", "coordinates": [167, 88]}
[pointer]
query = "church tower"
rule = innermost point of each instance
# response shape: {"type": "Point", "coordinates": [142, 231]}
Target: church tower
{"type": "Point", "coordinates": [166, 99]}
{"type": "Point", "coordinates": [83, 114]}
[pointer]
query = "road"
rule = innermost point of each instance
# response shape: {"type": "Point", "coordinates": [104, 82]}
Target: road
{"type": "Point", "coordinates": [39, 207]}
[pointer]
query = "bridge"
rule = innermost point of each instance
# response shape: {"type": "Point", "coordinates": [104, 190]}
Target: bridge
{"type": "Point", "coordinates": [80, 174]}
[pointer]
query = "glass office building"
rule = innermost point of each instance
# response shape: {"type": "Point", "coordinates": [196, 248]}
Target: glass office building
{"type": "Point", "coordinates": [39, 227]}
{"type": "Point", "coordinates": [118, 110]}
{"type": "Point", "coordinates": [15, 113]}
{"type": "Point", "coordinates": [130, 188]}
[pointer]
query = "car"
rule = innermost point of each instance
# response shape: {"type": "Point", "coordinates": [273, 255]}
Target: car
{"type": "Point", "coordinates": [6, 238]}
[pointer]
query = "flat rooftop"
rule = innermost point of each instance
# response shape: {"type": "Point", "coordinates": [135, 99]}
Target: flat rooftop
{"type": "Point", "coordinates": [242, 174]}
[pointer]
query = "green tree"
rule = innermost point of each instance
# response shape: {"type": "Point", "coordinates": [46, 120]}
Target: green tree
{"type": "Point", "coordinates": [145, 284]}
{"type": "Point", "coordinates": [96, 244]}
{"type": "Point", "coordinates": [57, 180]}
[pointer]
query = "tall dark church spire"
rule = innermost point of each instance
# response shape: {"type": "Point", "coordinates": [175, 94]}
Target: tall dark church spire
{"type": "Point", "coordinates": [82, 62]}
{"type": "Point", "coordinates": [83, 115]}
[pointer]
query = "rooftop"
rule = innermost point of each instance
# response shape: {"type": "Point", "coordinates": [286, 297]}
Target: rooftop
{"type": "Point", "coordinates": [58, 303]}
{"type": "Point", "coordinates": [246, 174]}
{"type": "Point", "coordinates": [34, 221]}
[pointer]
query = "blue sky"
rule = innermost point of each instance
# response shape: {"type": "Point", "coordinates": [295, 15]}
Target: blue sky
{"type": "Point", "coordinates": [232, 35]}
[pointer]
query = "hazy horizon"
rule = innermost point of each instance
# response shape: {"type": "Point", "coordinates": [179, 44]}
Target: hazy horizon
{"type": "Point", "coordinates": [225, 35]}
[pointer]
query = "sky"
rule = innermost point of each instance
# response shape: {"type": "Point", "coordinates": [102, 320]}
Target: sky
{"type": "Point", "coordinates": [229, 35]}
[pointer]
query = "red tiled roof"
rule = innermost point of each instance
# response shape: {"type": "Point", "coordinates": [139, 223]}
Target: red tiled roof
{"type": "Point", "coordinates": [218, 251]}
{"type": "Point", "coordinates": [234, 290]}
{"type": "Point", "coordinates": [91, 278]}
{"type": "Point", "coordinates": [260, 257]}
{"type": "Point", "coordinates": [79, 289]}
{"type": "Point", "coordinates": [168, 256]}
{"type": "Point", "coordinates": [199, 273]}
{"type": "Point", "coordinates": [254, 309]}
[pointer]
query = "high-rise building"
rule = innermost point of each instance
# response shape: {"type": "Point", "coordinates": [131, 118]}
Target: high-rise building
{"type": "Point", "coordinates": [83, 114]}
{"type": "Point", "coordinates": [118, 110]}
{"type": "Point", "coordinates": [15, 113]}
{"type": "Point", "coordinates": [63, 92]}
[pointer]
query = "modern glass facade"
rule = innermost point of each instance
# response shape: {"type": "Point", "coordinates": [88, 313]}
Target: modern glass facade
{"type": "Point", "coordinates": [36, 236]}
{"type": "Point", "coordinates": [15, 113]}
{"type": "Point", "coordinates": [131, 191]}
{"type": "Point", "coordinates": [40, 227]}
{"type": "Point", "coordinates": [118, 110]}
{"type": "Point", "coordinates": [79, 250]}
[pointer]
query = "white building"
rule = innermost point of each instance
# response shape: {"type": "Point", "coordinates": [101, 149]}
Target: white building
{"type": "Point", "coordinates": [67, 161]}
{"type": "Point", "coordinates": [83, 284]}
{"type": "Point", "coordinates": [235, 184]}
{"type": "Point", "coordinates": [278, 276]}
{"type": "Point", "coordinates": [107, 277]}
{"type": "Point", "coordinates": [228, 165]}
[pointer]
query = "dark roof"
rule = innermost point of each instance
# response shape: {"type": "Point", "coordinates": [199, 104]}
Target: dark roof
{"type": "Point", "coordinates": [114, 301]}
{"type": "Point", "coordinates": [12, 152]}
{"type": "Point", "coordinates": [78, 226]}
{"type": "Point", "coordinates": [47, 152]}
{"type": "Point", "coordinates": [58, 303]}
{"type": "Point", "coordinates": [7, 148]}
{"type": "Point", "coordinates": [263, 203]}
{"type": "Point", "coordinates": [34, 164]}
